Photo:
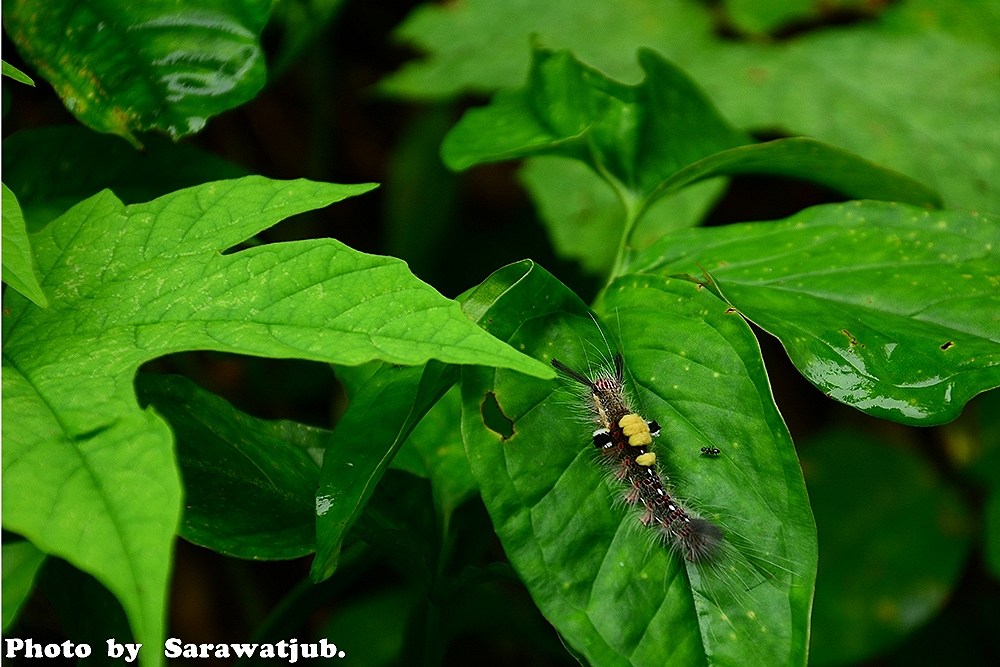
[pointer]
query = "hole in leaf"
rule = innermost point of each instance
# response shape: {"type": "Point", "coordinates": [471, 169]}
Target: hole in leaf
{"type": "Point", "coordinates": [494, 418]}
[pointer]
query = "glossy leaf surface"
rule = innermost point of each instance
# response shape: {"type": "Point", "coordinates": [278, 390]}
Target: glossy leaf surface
{"type": "Point", "coordinates": [888, 308]}
{"type": "Point", "coordinates": [612, 591]}
{"type": "Point", "coordinates": [155, 65]}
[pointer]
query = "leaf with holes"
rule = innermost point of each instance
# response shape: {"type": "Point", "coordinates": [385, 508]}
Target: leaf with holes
{"type": "Point", "coordinates": [613, 592]}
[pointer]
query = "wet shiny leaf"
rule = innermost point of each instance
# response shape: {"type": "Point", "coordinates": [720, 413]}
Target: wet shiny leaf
{"type": "Point", "coordinates": [155, 65]}
{"type": "Point", "coordinates": [892, 309]}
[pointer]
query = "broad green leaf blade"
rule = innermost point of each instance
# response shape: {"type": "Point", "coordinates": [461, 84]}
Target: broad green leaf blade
{"type": "Point", "coordinates": [635, 136]}
{"type": "Point", "coordinates": [89, 476]}
{"type": "Point", "coordinates": [19, 269]}
{"type": "Point", "coordinates": [380, 417]}
{"type": "Point", "coordinates": [157, 65]}
{"type": "Point", "coordinates": [15, 73]}
{"type": "Point", "coordinates": [613, 593]}
{"type": "Point", "coordinates": [21, 561]}
{"type": "Point", "coordinates": [888, 308]}
{"type": "Point", "coordinates": [892, 550]}
{"type": "Point", "coordinates": [598, 31]}
{"type": "Point", "coordinates": [249, 484]}
{"type": "Point", "coordinates": [101, 492]}
{"type": "Point", "coordinates": [385, 409]}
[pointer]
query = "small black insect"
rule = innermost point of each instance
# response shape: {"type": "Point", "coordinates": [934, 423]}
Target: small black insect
{"type": "Point", "coordinates": [710, 451]}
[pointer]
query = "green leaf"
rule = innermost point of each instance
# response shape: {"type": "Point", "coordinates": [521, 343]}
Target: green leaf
{"type": "Point", "coordinates": [249, 484]}
{"type": "Point", "coordinates": [386, 406]}
{"type": "Point", "coordinates": [88, 475]}
{"type": "Point", "coordinates": [19, 270]}
{"type": "Point", "coordinates": [599, 31]}
{"type": "Point", "coordinates": [907, 88]}
{"type": "Point", "coordinates": [15, 73]}
{"type": "Point", "coordinates": [54, 167]}
{"type": "Point", "coordinates": [435, 450]}
{"type": "Point", "coordinates": [613, 594]}
{"type": "Point", "coordinates": [802, 157]}
{"type": "Point", "coordinates": [634, 136]}
{"type": "Point", "coordinates": [21, 561]}
{"type": "Point", "coordinates": [158, 65]}
{"type": "Point", "coordinates": [652, 139]}
{"type": "Point", "coordinates": [917, 65]}
{"type": "Point", "coordinates": [885, 307]}
{"type": "Point", "coordinates": [891, 550]}
{"type": "Point", "coordinates": [380, 417]}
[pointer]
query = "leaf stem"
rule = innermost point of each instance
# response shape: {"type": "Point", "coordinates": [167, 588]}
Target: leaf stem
{"type": "Point", "coordinates": [633, 207]}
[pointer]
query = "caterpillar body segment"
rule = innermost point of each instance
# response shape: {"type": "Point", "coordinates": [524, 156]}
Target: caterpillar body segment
{"type": "Point", "coordinates": [624, 439]}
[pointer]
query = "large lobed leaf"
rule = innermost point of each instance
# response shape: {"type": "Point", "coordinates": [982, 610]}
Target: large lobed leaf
{"type": "Point", "coordinates": [886, 307]}
{"type": "Point", "coordinates": [156, 65]}
{"type": "Point", "coordinates": [91, 477]}
{"type": "Point", "coordinates": [612, 591]}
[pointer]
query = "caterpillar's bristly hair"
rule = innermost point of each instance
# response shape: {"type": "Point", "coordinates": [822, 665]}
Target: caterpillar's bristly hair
{"type": "Point", "coordinates": [624, 440]}
{"type": "Point", "coordinates": [703, 540]}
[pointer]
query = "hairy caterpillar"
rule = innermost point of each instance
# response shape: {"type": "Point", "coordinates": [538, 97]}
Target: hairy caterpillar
{"type": "Point", "coordinates": [624, 439]}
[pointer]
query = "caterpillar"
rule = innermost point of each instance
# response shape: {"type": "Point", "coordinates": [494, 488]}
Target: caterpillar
{"type": "Point", "coordinates": [624, 439]}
